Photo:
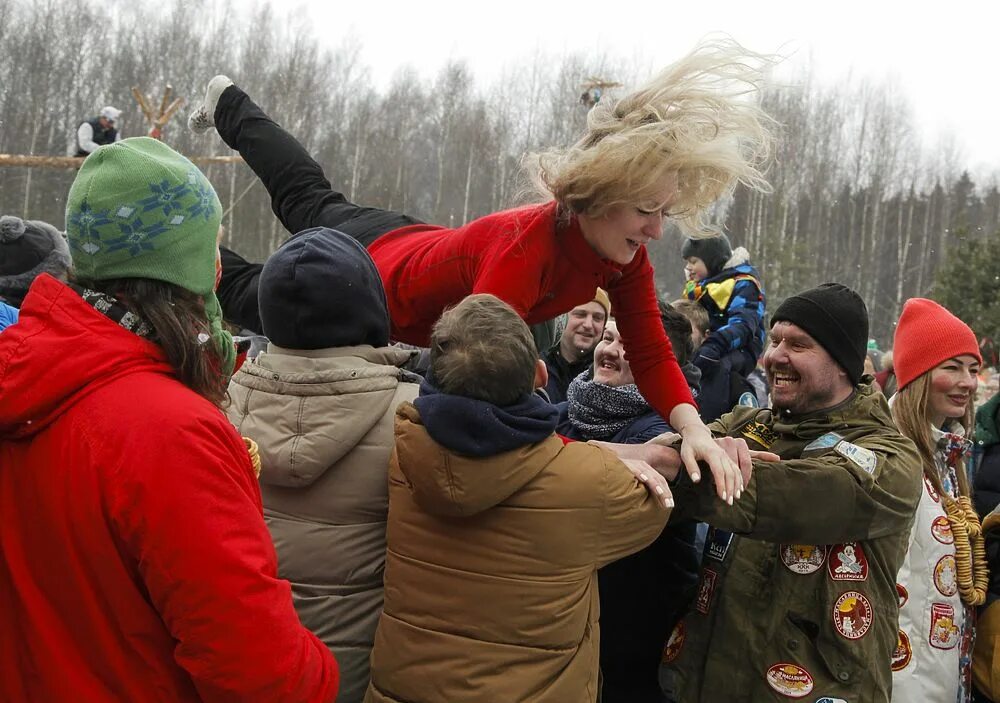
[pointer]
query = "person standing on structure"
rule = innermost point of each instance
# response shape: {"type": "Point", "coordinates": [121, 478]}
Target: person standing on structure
{"type": "Point", "coordinates": [97, 131]}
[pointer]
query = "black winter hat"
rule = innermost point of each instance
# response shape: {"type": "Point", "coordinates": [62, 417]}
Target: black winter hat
{"type": "Point", "coordinates": [714, 251]}
{"type": "Point", "coordinates": [837, 318]}
{"type": "Point", "coordinates": [321, 289]}
{"type": "Point", "coordinates": [29, 248]}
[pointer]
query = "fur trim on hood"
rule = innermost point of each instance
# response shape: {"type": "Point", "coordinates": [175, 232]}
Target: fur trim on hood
{"type": "Point", "coordinates": [740, 256]}
{"type": "Point", "coordinates": [39, 244]}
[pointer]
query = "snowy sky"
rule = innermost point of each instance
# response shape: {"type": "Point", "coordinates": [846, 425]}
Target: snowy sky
{"type": "Point", "coordinates": [943, 55]}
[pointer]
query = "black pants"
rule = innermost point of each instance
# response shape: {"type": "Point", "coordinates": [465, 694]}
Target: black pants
{"type": "Point", "coordinates": [301, 198]}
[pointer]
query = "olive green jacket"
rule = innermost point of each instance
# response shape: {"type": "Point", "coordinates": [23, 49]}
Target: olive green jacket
{"type": "Point", "coordinates": [801, 602]}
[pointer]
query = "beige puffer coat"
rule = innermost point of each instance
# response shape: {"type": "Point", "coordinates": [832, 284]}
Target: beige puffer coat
{"type": "Point", "coordinates": [323, 423]}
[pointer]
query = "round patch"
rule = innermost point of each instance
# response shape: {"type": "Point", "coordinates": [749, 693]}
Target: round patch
{"type": "Point", "coordinates": [944, 576]}
{"type": "Point", "coordinates": [903, 594]}
{"type": "Point", "coordinates": [852, 615]}
{"type": "Point", "coordinates": [903, 653]}
{"type": "Point", "coordinates": [790, 680]}
{"type": "Point", "coordinates": [803, 558]}
{"type": "Point", "coordinates": [930, 490]}
{"type": "Point", "coordinates": [847, 562]}
{"type": "Point", "coordinates": [941, 529]}
{"type": "Point", "coordinates": [673, 646]}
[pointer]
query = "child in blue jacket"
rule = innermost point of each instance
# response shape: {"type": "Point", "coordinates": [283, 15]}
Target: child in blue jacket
{"type": "Point", "coordinates": [723, 282]}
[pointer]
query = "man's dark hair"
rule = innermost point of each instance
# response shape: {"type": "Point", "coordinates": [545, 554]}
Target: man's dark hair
{"type": "Point", "coordinates": [678, 329]}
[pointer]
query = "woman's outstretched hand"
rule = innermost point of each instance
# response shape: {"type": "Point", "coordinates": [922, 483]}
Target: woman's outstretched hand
{"type": "Point", "coordinates": [699, 445]}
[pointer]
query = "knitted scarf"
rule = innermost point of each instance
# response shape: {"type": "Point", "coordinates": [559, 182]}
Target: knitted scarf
{"type": "Point", "coordinates": [600, 411]}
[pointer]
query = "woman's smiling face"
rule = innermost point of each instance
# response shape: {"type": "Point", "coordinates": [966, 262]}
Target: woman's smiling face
{"type": "Point", "coordinates": [623, 230]}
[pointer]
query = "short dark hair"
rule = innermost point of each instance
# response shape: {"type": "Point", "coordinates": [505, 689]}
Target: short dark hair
{"type": "Point", "coordinates": [482, 349]}
{"type": "Point", "coordinates": [678, 329]}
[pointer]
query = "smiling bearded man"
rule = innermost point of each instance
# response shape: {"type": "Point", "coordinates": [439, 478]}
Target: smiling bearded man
{"type": "Point", "coordinates": [798, 597]}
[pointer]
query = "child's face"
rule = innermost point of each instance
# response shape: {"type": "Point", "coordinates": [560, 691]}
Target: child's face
{"type": "Point", "coordinates": [695, 269]}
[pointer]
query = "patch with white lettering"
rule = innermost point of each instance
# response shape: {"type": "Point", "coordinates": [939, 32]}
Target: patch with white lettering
{"type": "Point", "coordinates": [941, 529]}
{"type": "Point", "coordinates": [852, 615]}
{"type": "Point", "coordinates": [848, 562]}
{"type": "Point", "coordinates": [903, 653]}
{"type": "Point", "coordinates": [827, 699]}
{"type": "Point", "coordinates": [748, 400]}
{"type": "Point", "coordinates": [803, 558]}
{"type": "Point", "coordinates": [706, 589]}
{"type": "Point", "coordinates": [761, 434]}
{"type": "Point", "coordinates": [944, 631]}
{"type": "Point", "coordinates": [790, 680]}
{"type": "Point", "coordinates": [944, 576]}
{"type": "Point", "coordinates": [672, 648]}
{"type": "Point", "coordinates": [717, 543]}
{"type": "Point", "coordinates": [827, 441]}
{"type": "Point", "coordinates": [864, 458]}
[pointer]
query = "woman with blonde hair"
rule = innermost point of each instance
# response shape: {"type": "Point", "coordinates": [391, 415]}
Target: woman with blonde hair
{"type": "Point", "coordinates": [669, 149]}
{"type": "Point", "coordinates": [944, 575]}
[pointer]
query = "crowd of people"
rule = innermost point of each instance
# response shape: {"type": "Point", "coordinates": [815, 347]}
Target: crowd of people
{"type": "Point", "coordinates": [403, 498]}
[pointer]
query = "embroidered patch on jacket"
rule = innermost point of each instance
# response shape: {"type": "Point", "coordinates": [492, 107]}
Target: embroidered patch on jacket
{"type": "Point", "coordinates": [944, 576]}
{"type": "Point", "coordinates": [864, 458]}
{"type": "Point", "coordinates": [761, 434]}
{"type": "Point", "coordinates": [748, 400]}
{"type": "Point", "coordinates": [790, 680]}
{"type": "Point", "coordinates": [848, 562]}
{"type": "Point", "coordinates": [902, 594]}
{"type": "Point", "coordinates": [827, 441]}
{"type": "Point", "coordinates": [827, 699]}
{"type": "Point", "coordinates": [803, 558]}
{"type": "Point", "coordinates": [852, 615]}
{"type": "Point", "coordinates": [672, 649]}
{"type": "Point", "coordinates": [903, 653]}
{"type": "Point", "coordinates": [717, 543]}
{"type": "Point", "coordinates": [706, 589]}
{"type": "Point", "coordinates": [941, 529]}
{"type": "Point", "coordinates": [944, 632]}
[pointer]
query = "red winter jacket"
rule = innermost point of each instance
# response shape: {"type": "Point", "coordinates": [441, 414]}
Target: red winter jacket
{"type": "Point", "coordinates": [134, 560]}
{"type": "Point", "coordinates": [542, 270]}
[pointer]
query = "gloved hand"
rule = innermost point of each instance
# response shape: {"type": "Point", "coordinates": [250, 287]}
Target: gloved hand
{"type": "Point", "coordinates": [708, 358]}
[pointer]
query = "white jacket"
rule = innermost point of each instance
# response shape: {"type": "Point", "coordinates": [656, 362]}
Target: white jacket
{"type": "Point", "coordinates": [935, 630]}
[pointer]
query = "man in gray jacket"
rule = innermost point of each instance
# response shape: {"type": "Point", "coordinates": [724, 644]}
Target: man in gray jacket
{"type": "Point", "coordinates": [320, 404]}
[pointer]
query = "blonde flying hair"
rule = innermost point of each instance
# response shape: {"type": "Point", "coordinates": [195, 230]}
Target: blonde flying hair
{"type": "Point", "coordinates": [909, 410]}
{"type": "Point", "coordinates": [698, 119]}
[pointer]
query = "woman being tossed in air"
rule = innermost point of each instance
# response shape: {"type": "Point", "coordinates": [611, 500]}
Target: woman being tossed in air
{"type": "Point", "coordinates": [670, 148]}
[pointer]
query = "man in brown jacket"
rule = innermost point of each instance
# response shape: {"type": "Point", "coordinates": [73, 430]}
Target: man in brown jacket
{"type": "Point", "coordinates": [497, 529]}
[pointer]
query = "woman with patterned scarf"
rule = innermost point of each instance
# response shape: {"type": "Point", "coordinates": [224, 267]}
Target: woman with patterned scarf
{"type": "Point", "coordinates": [605, 405]}
{"type": "Point", "coordinates": [944, 576]}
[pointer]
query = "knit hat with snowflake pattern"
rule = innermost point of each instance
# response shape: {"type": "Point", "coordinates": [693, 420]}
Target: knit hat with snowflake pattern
{"type": "Point", "coordinates": [138, 209]}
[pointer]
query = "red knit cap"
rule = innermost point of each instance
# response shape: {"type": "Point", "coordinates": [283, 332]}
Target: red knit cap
{"type": "Point", "coordinates": [926, 335]}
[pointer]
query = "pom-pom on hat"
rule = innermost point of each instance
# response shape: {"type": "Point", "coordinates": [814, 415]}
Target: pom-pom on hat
{"type": "Point", "coordinates": [926, 335]}
{"type": "Point", "coordinates": [714, 251]}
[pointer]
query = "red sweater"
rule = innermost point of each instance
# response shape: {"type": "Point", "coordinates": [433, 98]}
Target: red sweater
{"type": "Point", "coordinates": [541, 270]}
{"type": "Point", "coordinates": [135, 564]}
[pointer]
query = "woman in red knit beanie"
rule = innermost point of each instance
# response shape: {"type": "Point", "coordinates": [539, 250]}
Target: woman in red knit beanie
{"type": "Point", "coordinates": [670, 148]}
{"type": "Point", "coordinates": [944, 575]}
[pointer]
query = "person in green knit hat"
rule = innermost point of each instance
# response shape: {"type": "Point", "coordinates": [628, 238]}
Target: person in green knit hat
{"type": "Point", "coordinates": [140, 210]}
{"type": "Point", "coordinates": [137, 561]}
